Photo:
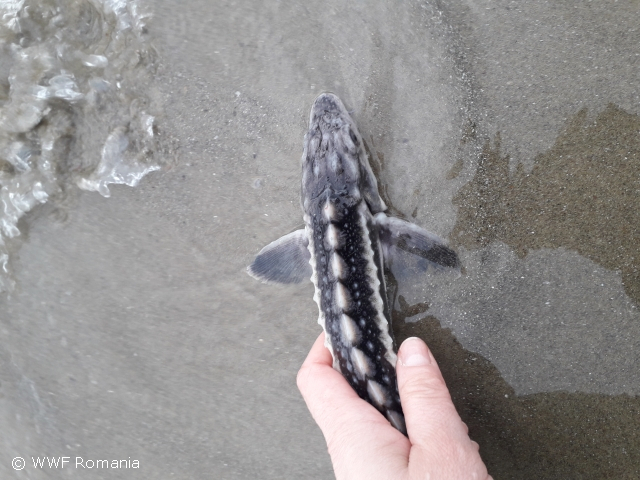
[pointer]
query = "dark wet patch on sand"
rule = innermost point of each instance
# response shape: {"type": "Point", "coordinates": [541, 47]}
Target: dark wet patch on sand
{"type": "Point", "coordinates": [582, 194]}
{"type": "Point", "coordinates": [541, 436]}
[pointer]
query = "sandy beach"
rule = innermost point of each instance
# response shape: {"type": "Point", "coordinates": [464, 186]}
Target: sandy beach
{"type": "Point", "coordinates": [512, 130]}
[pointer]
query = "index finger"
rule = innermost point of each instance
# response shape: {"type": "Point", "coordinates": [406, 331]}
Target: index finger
{"type": "Point", "coordinates": [324, 389]}
{"type": "Point", "coordinates": [319, 354]}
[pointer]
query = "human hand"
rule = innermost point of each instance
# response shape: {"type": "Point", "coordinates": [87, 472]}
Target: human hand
{"type": "Point", "coordinates": [363, 444]}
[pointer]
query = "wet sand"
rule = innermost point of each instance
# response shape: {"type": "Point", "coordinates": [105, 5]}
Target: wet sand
{"type": "Point", "coordinates": [134, 331]}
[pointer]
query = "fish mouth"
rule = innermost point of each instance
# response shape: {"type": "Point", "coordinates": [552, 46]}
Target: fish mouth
{"type": "Point", "coordinates": [327, 105]}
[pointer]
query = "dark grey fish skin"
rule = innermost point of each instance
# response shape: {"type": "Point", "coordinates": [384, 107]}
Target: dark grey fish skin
{"type": "Point", "coordinates": [346, 242]}
{"type": "Point", "coordinates": [339, 195]}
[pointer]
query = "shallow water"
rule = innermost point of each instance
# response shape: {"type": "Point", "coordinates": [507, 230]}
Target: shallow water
{"type": "Point", "coordinates": [73, 109]}
{"type": "Point", "coordinates": [509, 129]}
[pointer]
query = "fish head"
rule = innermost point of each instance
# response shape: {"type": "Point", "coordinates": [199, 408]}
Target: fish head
{"type": "Point", "coordinates": [334, 161]}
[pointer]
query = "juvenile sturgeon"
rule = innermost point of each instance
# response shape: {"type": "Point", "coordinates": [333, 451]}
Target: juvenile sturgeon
{"type": "Point", "coordinates": [346, 241]}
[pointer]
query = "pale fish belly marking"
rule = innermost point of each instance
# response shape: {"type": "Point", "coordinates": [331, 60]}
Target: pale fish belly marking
{"type": "Point", "coordinates": [345, 245]}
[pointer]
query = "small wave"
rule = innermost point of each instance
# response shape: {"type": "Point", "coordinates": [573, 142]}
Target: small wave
{"type": "Point", "coordinates": [76, 104]}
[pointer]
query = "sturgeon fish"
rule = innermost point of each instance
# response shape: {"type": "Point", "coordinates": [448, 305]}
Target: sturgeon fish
{"type": "Point", "coordinates": [343, 248]}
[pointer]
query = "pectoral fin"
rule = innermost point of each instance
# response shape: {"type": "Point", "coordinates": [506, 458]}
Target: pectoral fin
{"type": "Point", "coordinates": [285, 260]}
{"type": "Point", "coordinates": [407, 244]}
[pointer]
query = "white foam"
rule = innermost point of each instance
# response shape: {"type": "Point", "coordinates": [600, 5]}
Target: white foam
{"type": "Point", "coordinates": [62, 103]}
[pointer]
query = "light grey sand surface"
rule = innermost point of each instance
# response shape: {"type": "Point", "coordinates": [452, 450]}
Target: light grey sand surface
{"type": "Point", "coordinates": [134, 332]}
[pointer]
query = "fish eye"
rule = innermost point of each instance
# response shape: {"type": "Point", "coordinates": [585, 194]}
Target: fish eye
{"type": "Point", "coordinates": [354, 139]}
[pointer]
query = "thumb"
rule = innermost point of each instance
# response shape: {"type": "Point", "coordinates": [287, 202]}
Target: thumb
{"type": "Point", "coordinates": [428, 409]}
{"type": "Point", "coordinates": [440, 445]}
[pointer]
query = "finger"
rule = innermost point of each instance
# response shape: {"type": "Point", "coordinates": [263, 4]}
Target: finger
{"type": "Point", "coordinates": [319, 354]}
{"type": "Point", "coordinates": [357, 434]}
{"type": "Point", "coordinates": [325, 391]}
{"type": "Point", "coordinates": [440, 443]}
{"type": "Point", "coordinates": [426, 401]}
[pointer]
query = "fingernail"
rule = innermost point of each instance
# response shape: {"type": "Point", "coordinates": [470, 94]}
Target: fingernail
{"type": "Point", "coordinates": [413, 353]}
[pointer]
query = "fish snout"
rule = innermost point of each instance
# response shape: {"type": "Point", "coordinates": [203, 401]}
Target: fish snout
{"type": "Point", "coordinates": [327, 106]}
